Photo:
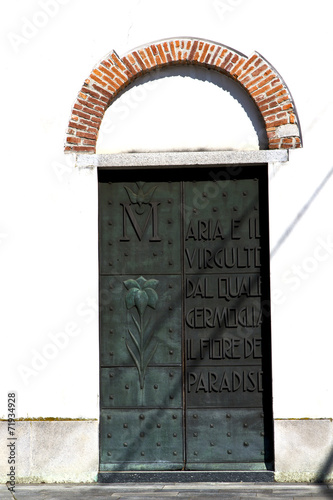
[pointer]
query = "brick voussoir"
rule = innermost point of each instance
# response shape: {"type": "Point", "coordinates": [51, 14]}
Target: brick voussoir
{"type": "Point", "coordinates": [113, 74]}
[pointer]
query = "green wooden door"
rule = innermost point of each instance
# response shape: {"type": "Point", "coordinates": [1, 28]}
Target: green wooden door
{"type": "Point", "coordinates": [184, 324]}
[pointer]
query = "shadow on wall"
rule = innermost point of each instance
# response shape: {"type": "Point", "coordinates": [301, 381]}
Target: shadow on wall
{"type": "Point", "coordinates": [300, 214]}
{"type": "Point", "coordinates": [323, 475]}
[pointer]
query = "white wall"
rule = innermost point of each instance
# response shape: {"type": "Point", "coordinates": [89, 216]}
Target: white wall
{"type": "Point", "coordinates": [48, 222]}
{"type": "Point", "coordinates": [181, 109]}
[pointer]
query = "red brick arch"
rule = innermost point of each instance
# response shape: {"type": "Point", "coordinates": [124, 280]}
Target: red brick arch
{"type": "Point", "coordinates": [114, 73]}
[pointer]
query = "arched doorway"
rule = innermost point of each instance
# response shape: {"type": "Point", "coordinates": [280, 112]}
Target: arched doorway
{"type": "Point", "coordinates": [184, 278]}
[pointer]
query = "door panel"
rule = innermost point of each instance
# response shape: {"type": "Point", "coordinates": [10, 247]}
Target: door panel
{"type": "Point", "coordinates": [222, 227]}
{"type": "Point", "coordinates": [223, 323]}
{"type": "Point", "coordinates": [141, 324]}
{"type": "Point", "coordinates": [137, 439]}
{"type": "Point", "coordinates": [117, 321]}
{"type": "Point", "coordinates": [134, 221]}
{"type": "Point", "coordinates": [184, 322]}
{"type": "Point", "coordinates": [222, 440]}
{"type": "Point", "coordinates": [120, 387]}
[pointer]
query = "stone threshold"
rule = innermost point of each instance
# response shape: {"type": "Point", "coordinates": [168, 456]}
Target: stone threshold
{"type": "Point", "coordinates": [186, 477]}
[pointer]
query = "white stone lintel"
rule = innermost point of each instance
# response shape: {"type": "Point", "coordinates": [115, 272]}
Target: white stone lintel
{"type": "Point", "coordinates": [180, 159]}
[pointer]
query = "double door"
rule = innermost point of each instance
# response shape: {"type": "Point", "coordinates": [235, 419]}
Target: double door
{"type": "Point", "coordinates": [185, 376]}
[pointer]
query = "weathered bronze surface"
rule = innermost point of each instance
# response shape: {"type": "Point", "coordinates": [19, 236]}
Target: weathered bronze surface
{"type": "Point", "coordinates": [142, 439]}
{"type": "Point", "coordinates": [185, 331]}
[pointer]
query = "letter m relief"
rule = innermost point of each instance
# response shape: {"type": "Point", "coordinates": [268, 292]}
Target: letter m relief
{"type": "Point", "coordinates": [141, 228]}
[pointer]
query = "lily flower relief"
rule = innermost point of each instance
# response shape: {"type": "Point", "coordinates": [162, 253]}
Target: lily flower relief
{"type": "Point", "coordinates": [141, 293]}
